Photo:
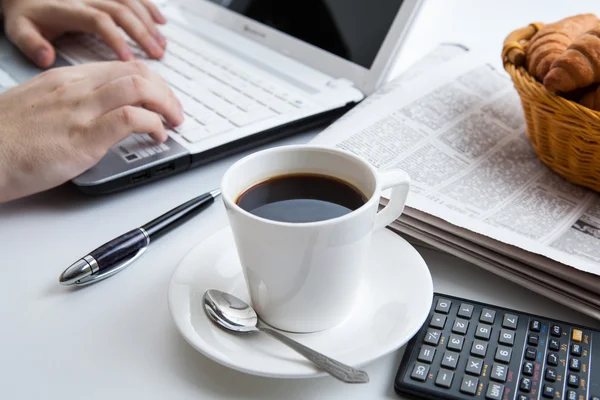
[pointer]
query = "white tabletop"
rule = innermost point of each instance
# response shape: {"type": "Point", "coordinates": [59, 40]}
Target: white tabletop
{"type": "Point", "coordinates": [116, 339]}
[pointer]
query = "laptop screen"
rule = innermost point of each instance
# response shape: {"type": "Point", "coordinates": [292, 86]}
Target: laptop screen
{"type": "Point", "coordinates": [351, 29]}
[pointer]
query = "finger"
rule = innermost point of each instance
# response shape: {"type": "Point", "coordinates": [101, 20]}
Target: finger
{"type": "Point", "coordinates": [156, 14]}
{"type": "Point", "coordinates": [111, 128]}
{"type": "Point", "coordinates": [135, 28]}
{"type": "Point", "coordinates": [135, 90]}
{"type": "Point", "coordinates": [24, 34]}
{"type": "Point", "coordinates": [143, 13]}
{"type": "Point", "coordinates": [92, 20]}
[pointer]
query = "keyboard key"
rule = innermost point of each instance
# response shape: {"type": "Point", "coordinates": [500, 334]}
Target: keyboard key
{"type": "Point", "coordinates": [506, 337]}
{"type": "Point", "coordinates": [556, 330]}
{"type": "Point", "coordinates": [444, 378]}
{"type": "Point", "coordinates": [469, 385]}
{"type": "Point", "coordinates": [533, 340]}
{"type": "Point", "coordinates": [548, 391]}
{"type": "Point", "coordinates": [438, 321]}
{"type": "Point", "coordinates": [420, 372]}
{"type": "Point", "coordinates": [573, 380]}
{"type": "Point", "coordinates": [571, 395]}
{"type": "Point", "coordinates": [550, 375]}
{"type": "Point", "coordinates": [426, 354]}
{"type": "Point", "coordinates": [499, 372]}
{"type": "Point", "coordinates": [219, 126]}
{"type": "Point", "coordinates": [535, 325]}
{"type": "Point", "coordinates": [510, 321]}
{"type": "Point", "coordinates": [503, 354]}
{"type": "Point", "coordinates": [465, 311]}
{"type": "Point", "coordinates": [479, 348]}
{"type": "Point", "coordinates": [530, 354]}
{"type": "Point", "coordinates": [525, 385]}
{"type": "Point", "coordinates": [552, 359]}
{"type": "Point", "coordinates": [474, 366]}
{"type": "Point", "coordinates": [243, 119]}
{"type": "Point", "coordinates": [432, 337]}
{"type": "Point", "coordinates": [528, 368]}
{"type": "Point", "coordinates": [577, 335]}
{"type": "Point", "coordinates": [494, 391]}
{"type": "Point", "coordinates": [460, 326]}
{"type": "Point", "coordinates": [455, 343]}
{"type": "Point", "coordinates": [575, 364]}
{"type": "Point", "coordinates": [554, 345]}
{"type": "Point", "coordinates": [483, 331]}
{"type": "Point", "coordinates": [488, 316]}
{"type": "Point", "coordinates": [576, 350]}
{"type": "Point", "coordinates": [450, 359]}
{"type": "Point", "coordinates": [196, 135]}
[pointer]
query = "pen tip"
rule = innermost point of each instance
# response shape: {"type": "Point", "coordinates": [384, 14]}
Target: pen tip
{"type": "Point", "coordinates": [215, 193]}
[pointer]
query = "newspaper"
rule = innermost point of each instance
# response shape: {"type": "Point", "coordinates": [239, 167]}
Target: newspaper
{"type": "Point", "coordinates": [456, 125]}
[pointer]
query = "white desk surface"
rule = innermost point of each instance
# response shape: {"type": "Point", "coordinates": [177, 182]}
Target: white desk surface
{"type": "Point", "coordinates": [116, 340]}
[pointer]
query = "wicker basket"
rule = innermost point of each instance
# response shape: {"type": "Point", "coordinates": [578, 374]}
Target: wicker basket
{"type": "Point", "coordinates": [564, 134]}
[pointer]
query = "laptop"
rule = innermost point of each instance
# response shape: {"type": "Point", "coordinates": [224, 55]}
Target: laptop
{"type": "Point", "coordinates": [246, 72]}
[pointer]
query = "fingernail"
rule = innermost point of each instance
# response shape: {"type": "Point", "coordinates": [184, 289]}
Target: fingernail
{"type": "Point", "coordinates": [126, 54]}
{"type": "Point", "coordinates": [154, 48]}
{"type": "Point", "coordinates": [181, 113]}
{"type": "Point", "coordinates": [161, 39]}
{"type": "Point", "coordinates": [41, 57]}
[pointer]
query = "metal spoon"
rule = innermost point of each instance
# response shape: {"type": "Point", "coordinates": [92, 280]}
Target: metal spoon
{"type": "Point", "coordinates": [234, 315]}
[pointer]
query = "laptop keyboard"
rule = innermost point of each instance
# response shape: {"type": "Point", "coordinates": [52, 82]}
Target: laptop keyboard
{"type": "Point", "coordinates": [217, 96]}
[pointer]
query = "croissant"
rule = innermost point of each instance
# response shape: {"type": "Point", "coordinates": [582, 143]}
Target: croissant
{"type": "Point", "coordinates": [578, 66]}
{"type": "Point", "coordinates": [553, 39]}
{"type": "Point", "coordinates": [591, 99]}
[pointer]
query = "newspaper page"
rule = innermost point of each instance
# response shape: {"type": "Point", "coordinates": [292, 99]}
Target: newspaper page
{"type": "Point", "coordinates": [459, 131]}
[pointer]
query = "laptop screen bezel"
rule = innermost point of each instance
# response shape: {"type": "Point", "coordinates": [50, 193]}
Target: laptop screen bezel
{"type": "Point", "coordinates": [366, 80]}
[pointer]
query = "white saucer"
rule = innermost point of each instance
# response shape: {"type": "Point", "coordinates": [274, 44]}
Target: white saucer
{"type": "Point", "coordinates": [395, 301]}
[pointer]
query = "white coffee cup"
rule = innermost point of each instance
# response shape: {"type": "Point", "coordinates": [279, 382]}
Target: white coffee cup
{"type": "Point", "coordinates": [305, 277]}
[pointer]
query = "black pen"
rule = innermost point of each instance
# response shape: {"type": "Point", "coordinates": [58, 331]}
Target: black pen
{"type": "Point", "coordinates": [114, 256]}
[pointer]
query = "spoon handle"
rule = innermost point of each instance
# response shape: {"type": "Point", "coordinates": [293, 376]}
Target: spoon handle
{"type": "Point", "coordinates": [343, 372]}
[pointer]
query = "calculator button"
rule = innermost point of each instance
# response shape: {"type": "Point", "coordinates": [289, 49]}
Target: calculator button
{"type": "Point", "coordinates": [556, 330]}
{"type": "Point", "coordinates": [522, 397]}
{"type": "Point", "coordinates": [552, 359]}
{"type": "Point", "coordinates": [594, 398]}
{"type": "Point", "coordinates": [533, 340]}
{"type": "Point", "coordinates": [503, 354]}
{"type": "Point", "coordinates": [575, 364]}
{"type": "Point", "coordinates": [548, 391]}
{"type": "Point", "coordinates": [577, 335]}
{"type": "Point", "coordinates": [469, 385]}
{"type": "Point", "coordinates": [530, 354]}
{"type": "Point", "coordinates": [420, 372]}
{"type": "Point", "coordinates": [460, 326]}
{"type": "Point", "coordinates": [450, 359]}
{"type": "Point", "coordinates": [571, 395]}
{"type": "Point", "coordinates": [550, 375]}
{"type": "Point", "coordinates": [483, 331]}
{"type": "Point", "coordinates": [488, 316]}
{"type": "Point", "coordinates": [432, 337]}
{"type": "Point", "coordinates": [426, 354]}
{"type": "Point", "coordinates": [573, 380]}
{"type": "Point", "coordinates": [443, 306]}
{"type": "Point", "coordinates": [510, 321]}
{"type": "Point", "coordinates": [535, 325]}
{"type": "Point", "coordinates": [575, 349]}
{"type": "Point", "coordinates": [554, 345]}
{"type": "Point", "coordinates": [455, 342]}
{"type": "Point", "coordinates": [438, 321]}
{"type": "Point", "coordinates": [444, 378]}
{"type": "Point", "coordinates": [479, 348]}
{"type": "Point", "coordinates": [499, 372]}
{"type": "Point", "coordinates": [528, 368]}
{"type": "Point", "coordinates": [474, 366]}
{"type": "Point", "coordinates": [465, 311]}
{"type": "Point", "coordinates": [494, 391]}
{"type": "Point", "coordinates": [506, 337]}
{"type": "Point", "coordinates": [525, 385]}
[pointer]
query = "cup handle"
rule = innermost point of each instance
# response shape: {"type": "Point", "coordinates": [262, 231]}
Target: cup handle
{"type": "Point", "coordinates": [399, 182]}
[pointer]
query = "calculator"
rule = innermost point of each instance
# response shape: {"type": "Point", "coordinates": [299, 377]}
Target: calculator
{"type": "Point", "coordinates": [472, 350]}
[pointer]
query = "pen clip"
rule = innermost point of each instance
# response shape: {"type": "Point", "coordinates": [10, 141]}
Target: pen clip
{"type": "Point", "coordinates": [106, 274]}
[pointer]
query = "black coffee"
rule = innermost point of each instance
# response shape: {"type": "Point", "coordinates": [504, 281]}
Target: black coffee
{"type": "Point", "coordinates": [301, 198]}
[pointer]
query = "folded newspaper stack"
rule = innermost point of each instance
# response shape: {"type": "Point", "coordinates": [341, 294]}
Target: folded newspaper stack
{"type": "Point", "coordinates": [455, 124]}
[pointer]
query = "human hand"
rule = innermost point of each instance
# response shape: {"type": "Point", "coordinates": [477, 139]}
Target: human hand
{"type": "Point", "coordinates": [32, 24]}
{"type": "Point", "coordinates": [62, 122]}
